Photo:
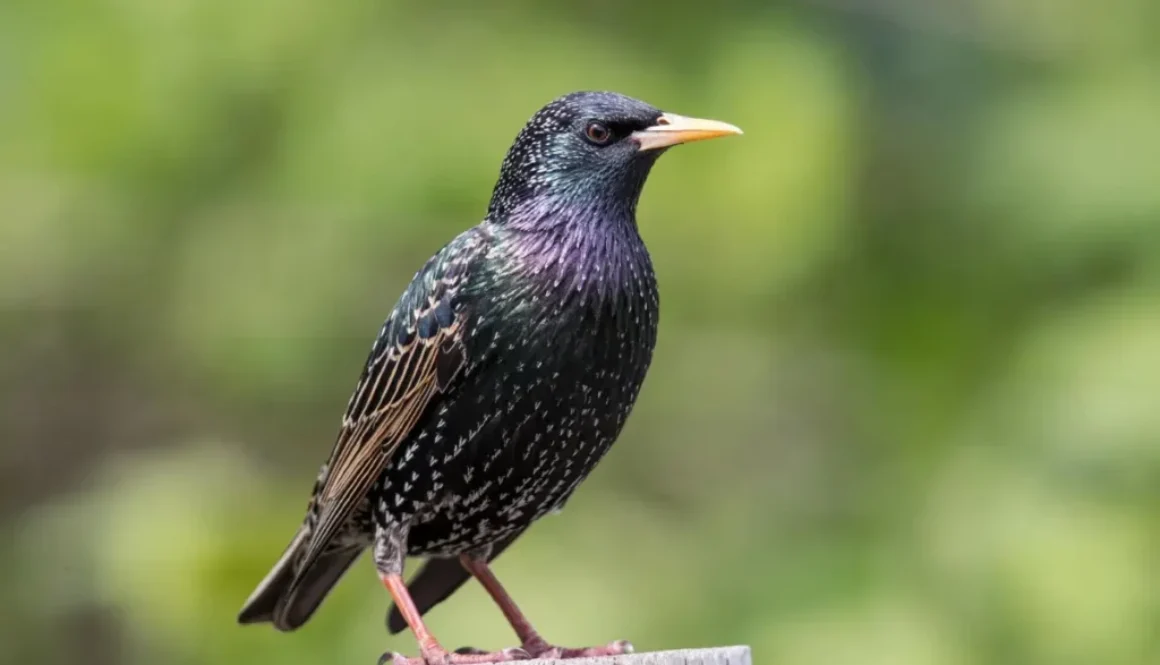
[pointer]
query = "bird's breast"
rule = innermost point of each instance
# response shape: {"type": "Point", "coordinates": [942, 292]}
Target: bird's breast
{"type": "Point", "coordinates": [554, 370]}
{"type": "Point", "coordinates": [574, 284]}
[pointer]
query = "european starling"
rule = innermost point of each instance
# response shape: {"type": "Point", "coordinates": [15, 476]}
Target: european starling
{"type": "Point", "coordinates": [500, 379]}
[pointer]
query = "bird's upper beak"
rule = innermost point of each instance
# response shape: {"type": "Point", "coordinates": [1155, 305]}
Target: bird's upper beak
{"type": "Point", "coordinates": [672, 129]}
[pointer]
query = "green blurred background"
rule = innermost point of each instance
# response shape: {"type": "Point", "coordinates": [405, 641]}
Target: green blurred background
{"type": "Point", "coordinates": [905, 404]}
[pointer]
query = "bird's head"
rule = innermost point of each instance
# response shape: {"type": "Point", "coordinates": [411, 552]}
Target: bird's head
{"type": "Point", "coordinates": [588, 150]}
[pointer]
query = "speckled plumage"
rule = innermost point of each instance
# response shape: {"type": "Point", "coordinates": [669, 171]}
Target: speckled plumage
{"type": "Point", "coordinates": [555, 362]}
{"type": "Point", "coordinates": [505, 371]}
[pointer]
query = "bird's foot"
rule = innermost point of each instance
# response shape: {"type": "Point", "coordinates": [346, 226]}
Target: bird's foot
{"type": "Point", "coordinates": [538, 650]}
{"type": "Point", "coordinates": [547, 651]}
{"type": "Point", "coordinates": [464, 656]}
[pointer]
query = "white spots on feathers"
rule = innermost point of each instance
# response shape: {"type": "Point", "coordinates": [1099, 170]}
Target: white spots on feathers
{"type": "Point", "coordinates": [557, 332]}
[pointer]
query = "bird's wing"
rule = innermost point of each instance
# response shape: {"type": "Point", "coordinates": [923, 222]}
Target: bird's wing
{"type": "Point", "coordinates": [418, 354]}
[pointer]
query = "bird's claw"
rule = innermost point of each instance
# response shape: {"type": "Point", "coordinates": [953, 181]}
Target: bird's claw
{"type": "Point", "coordinates": [473, 656]}
{"type": "Point", "coordinates": [461, 656]}
{"type": "Point", "coordinates": [511, 653]}
{"type": "Point", "coordinates": [428, 658]}
{"type": "Point", "coordinates": [547, 651]}
{"type": "Point", "coordinates": [390, 658]}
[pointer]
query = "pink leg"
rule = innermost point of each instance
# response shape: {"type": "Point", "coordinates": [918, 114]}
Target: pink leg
{"type": "Point", "coordinates": [531, 641]}
{"type": "Point", "coordinates": [432, 652]}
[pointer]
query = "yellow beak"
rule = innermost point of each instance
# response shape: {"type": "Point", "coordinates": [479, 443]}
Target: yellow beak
{"type": "Point", "coordinates": [672, 129]}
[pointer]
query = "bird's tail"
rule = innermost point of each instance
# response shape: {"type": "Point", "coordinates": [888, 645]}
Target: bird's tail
{"type": "Point", "coordinates": [288, 596]}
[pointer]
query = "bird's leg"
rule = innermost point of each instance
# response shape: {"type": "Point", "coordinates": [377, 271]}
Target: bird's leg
{"type": "Point", "coordinates": [389, 549]}
{"type": "Point", "coordinates": [432, 652]}
{"type": "Point", "coordinates": [532, 642]}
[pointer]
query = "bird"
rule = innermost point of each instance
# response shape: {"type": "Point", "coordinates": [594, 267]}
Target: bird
{"type": "Point", "coordinates": [500, 379]}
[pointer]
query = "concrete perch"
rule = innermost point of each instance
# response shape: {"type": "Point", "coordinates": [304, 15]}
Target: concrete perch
{"type": "Point", "coordinates": [735, 655]}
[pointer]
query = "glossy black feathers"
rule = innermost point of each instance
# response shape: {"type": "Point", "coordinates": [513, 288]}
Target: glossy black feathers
{"type": "Point", "coordinates": [502, 376]}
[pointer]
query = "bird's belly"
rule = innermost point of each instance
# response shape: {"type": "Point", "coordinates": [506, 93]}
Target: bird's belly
{"type": "Point", "coordinates": [496, 459]}
{"type": "Point", "coordinates": [517, 436]}
{"type": "Point", "coordinates": [509, 485]}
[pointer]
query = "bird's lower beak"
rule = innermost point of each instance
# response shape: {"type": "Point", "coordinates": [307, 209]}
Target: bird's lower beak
{"type": "Point", "coordinates": [672, 129]}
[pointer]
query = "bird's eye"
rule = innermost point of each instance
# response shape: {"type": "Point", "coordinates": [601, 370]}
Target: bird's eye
{"type": "Point", "coordinates": [598, 133]}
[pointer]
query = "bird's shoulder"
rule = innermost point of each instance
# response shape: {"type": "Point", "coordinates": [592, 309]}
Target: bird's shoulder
{"type": "Point", "coordinates": [430, 311]}
{"type": "Point", "coordinates": [441, 279]}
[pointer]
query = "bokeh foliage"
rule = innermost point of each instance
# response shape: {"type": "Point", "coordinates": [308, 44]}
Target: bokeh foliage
{"type": "Point", "coordinates": [903, 408]}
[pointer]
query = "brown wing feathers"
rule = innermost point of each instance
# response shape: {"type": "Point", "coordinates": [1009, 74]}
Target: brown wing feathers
{"type": "Point", "coordinates": [395, 390]}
